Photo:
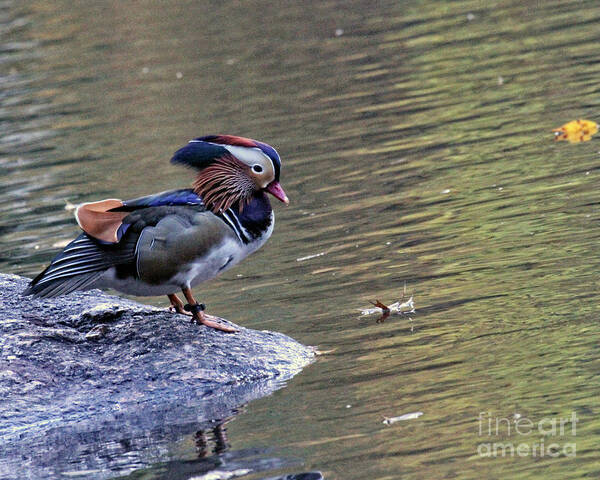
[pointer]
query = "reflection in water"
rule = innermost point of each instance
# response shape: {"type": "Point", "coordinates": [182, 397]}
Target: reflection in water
{"type": "Point", "coordinates": [299, 476]}
{"type": "Point", "coordinates": [219, 434]}
{"type": "Point", "coordinates": [102, 444]}
{"type": "Point", "coordinates": [416, 139]}
{"type": "Point", "coordinates": [216, 460]}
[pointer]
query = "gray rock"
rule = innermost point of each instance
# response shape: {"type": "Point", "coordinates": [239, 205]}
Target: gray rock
{"type": "Point", "coordinates": [81, 371]}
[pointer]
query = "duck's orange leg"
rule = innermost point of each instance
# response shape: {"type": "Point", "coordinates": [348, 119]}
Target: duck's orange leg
{"type": "Point", "coordinates": [177, 304]}
{"type": "Point", "coordinates": [199, 316]}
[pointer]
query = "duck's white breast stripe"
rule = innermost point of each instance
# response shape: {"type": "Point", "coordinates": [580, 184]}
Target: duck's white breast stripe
{"type": "Point", "coordinates": [229, 217]}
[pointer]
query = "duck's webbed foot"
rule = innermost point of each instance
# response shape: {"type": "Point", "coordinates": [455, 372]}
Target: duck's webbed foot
{"type": "Point", "coordinates": [198, 315]}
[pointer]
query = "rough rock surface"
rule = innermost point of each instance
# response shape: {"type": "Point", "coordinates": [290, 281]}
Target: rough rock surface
{"type": "Point", "coordinates": [80, 371]}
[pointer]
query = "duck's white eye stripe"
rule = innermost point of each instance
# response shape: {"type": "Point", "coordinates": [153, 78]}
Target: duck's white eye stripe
{"type": "Point", "coordinates": [249, 156]}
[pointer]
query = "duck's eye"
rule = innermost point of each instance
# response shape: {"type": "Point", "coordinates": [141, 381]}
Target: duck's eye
{"type": "Point", "coordinates": [257, 168]}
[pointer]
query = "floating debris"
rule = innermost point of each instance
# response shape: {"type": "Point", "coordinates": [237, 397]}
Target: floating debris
{"type": "Point", "coordinates": [395, 308]}
{"type": "Point", "coordinates": [385, 311]}
{"type": "Point", "coordinates": [308, 257]}
{"type": "Point", "coordinates": [69, 207]}
{"type": "Point", "coordinates": [323, 352]}
{"type": "Point", "coordinates": [576, 131]}
{"type": "Point", "coordinates": [401, 418]}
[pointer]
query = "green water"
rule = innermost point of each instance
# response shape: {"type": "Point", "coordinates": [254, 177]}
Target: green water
{"type": "Point", "coordinates": [417, 148]}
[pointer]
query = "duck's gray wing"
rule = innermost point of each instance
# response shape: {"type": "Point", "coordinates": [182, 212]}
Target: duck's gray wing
{"type": "Point", "coordinates": [156, 245]}
{"type": "Point", "coordinates": [107, 240]}
{"type": "Point", "coordinates": [176, 243]}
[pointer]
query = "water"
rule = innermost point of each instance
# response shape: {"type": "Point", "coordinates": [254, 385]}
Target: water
{"type": "Point", "coordinates": [416, 146]}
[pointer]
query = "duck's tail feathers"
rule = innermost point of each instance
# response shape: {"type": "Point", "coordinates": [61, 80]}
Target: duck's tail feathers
{"type": "Point", "coordinates": [62, 287]}
{"type": "Point", "coordinates": [79, 265]}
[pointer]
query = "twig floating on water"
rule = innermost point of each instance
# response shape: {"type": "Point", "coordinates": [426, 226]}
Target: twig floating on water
{"type": "Point", "coordinates": [308, 257]}
{"type": "Point", "coordinates": [322, 352]}
{"type": "Point", "coordinates": [385, 311]}
{"type": "Point", "coordinates": [406, 416]}
{"type": "Point", "coordinates": [395, 308]}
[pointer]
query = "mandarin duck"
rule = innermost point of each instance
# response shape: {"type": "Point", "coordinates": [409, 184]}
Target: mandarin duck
{"type": "Point", "coordinates": [174, 240]}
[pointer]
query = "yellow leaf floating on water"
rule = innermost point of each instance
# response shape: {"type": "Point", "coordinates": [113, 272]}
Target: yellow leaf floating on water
{"type": "Point", "coordinates": [576, 131]}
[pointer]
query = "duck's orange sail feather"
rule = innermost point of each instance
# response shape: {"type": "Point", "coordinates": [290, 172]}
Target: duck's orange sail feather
{"type": "Point", "coordinates": [96, 220]}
